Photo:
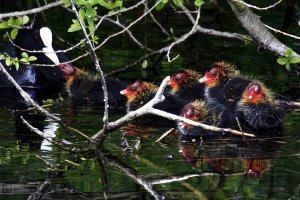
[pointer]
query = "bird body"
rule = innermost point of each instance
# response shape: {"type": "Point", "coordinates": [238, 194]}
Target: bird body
{"type": "Point", "coordinates": [258, 110]}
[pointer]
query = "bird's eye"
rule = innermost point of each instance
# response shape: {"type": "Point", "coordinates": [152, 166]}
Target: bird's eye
{"type": "Point", "coordinates": [178, 77]}
{"type": "Point", "coordinates": [133, 88]}
{"type": "Point", "coordinates": [257, 88]}
{"type": "Point", "coordinates": [190, 112]}
{"type": "Point", "coordinates": [214, 72]}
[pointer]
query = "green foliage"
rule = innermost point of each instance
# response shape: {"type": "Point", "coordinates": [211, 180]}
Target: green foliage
{"type": "Point", "coordinates": [199, 2]}
{"type": "Point", "coordinates": [14, 23]}
{"type": "Point", "coordinates": [288, 59]}
{"type": "Point", "coordinates": [88, 12]}
{"type": "Point", "coordinates": [16, 61]}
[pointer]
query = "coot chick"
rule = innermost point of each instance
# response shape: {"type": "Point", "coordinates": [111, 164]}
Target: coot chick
{"type": "Point", "coordinates": [224, 87]}
{"type": "Point", "coordinates": [185, 85]}
{"type": "Point", "coordinates": [84, 87]}
{"type": "Point", "coordinates": [141, 92]}
{"type": "Point", "coordinates": [258, 110]}
{"type": "Point", "coordinates": [197, 111]}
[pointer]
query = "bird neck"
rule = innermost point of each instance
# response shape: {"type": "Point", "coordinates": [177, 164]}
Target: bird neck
{"type": "Point", "coordinates": [78, 72]}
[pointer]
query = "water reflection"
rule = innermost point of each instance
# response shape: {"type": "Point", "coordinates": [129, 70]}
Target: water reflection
{"type": "Point", "coordinates": [181, 167]}
{"type": "Point", "coordinates": [231, 155]}
{"type": "Point", "coordinates": [13, 101]}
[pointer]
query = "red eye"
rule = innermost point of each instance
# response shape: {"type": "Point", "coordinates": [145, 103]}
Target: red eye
{"type": "Point", "coordinates": [133, 88]}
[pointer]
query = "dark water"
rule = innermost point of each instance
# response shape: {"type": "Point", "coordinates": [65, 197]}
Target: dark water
{"type": "Point", "coordinates": [228, 168]}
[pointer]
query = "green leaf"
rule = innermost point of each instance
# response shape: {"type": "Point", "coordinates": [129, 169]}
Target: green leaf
{"type": "Point", "coordinates": [294, 60]}
{"type": "Point", "coordinates": [118, 4]}
{"type": "Point", "coordinates": [32, 58]}
{"type": "Point", "coordinates": [91, 12]}
{"type": "Point", "coordinates": [92, 2]}
{"type": "Point", "coordinates": [178, 3]}
{"type": "Point", "coordinates": [24, 20]}
{"type": "Point", "coordinates": [161, 5]}
{"type": "Point", "coordinates": [8, 61]}
{"type": "Point", "coordinates": [199, 3]}
{"type": "Point", "coordinates": [10, 21]}
{"type": "Point", "coordinates": [74, 27]}
{"type": "Point", "coordinates": [145, 64]}
{"type": "Point", "coordinates": [24, 55]}
{"type": "Point", "coordinates": [105, 4]}
{"type": "Point", "coordinates": [288, 66]}
{"type": "Point", "coordinates": [81, 15]}
{"type": "Point", "coordinates": [3, 25]}
{"type": "Point", "coordinates": [288, 52]}
{"type": "Point", "coordinates": [24, 60]}
{"type": "Point", "coordinates": [66, 3]}
{"type": "Point", "coordinates": [13, 33]}
{"type": "Point", "coordinates": [282, 60]}
{"type": "Point", "coordinates": [80, 2]}
{"type": "Point", "coordinates": [17, 65]}
{"type": "Point", "coordinates": [91, 25]}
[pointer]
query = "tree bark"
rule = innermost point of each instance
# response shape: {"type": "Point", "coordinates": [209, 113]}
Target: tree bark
{"type": "Point", "coordinates": [257, 29]}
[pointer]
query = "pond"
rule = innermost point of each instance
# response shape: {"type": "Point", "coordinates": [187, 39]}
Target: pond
{"type": "Point", "coordinates": [133, 165]}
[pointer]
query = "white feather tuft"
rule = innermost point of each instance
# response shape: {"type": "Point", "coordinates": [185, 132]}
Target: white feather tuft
{"type": "Point", "coordinates": [46, 36]}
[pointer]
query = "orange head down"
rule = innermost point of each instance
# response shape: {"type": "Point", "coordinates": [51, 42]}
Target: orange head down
{"type": "Point", "coordinates": [185, 78]}
{"type": "Point", "coordinates": [70, 72]}
{"type": "Point", "coordinates": [196, 111]}
{"type": "Point", "coordinates": [220, 72]}
{"type": "Point", "coordinates": [138, 91]}
{"type": "Point", "coordinates": [256, 93]}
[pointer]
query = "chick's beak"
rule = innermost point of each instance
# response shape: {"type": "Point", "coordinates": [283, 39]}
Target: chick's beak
{"type": "Point", "coordinates": [124, 92]}
{"type": "Point", "coordinates": [203, 79]}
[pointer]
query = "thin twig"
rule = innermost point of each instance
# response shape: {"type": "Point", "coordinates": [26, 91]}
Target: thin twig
{"type": "Point", "coordinates": [31, 11]}
{"type": "Point", "coordinates": [97, 65]}
{"type": "Point", "coordinates": [282, 32]}
{"type": "Point", "coordinates": [259, 8]}
{"type": "Point", "coordinates": [184, 37]}
{"type": "Point", "coordinates": [164, 135]}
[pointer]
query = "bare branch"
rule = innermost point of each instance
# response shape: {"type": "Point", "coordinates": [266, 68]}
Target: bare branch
{"type": "Point", "coordinates": [257, 29]}
{"type": "Point", "coordinates": [213, 32]}
{"type": "Point", "coordinates": [198, 124]}
{"type": "Point", "coordinates": [31, 11]}
{"type": "Point", "coordinates": [184, 37]}
{"type": "Point", "coordinates": [259, 8]}
{"type": "Point", "coordinates": [188, 176]}
{"type": "Point", "coordinates": [156, 22]}
{"type": "Point", "coordinates": [129, 26]}
{"type": "Point", "coordinates": [282, 32]}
